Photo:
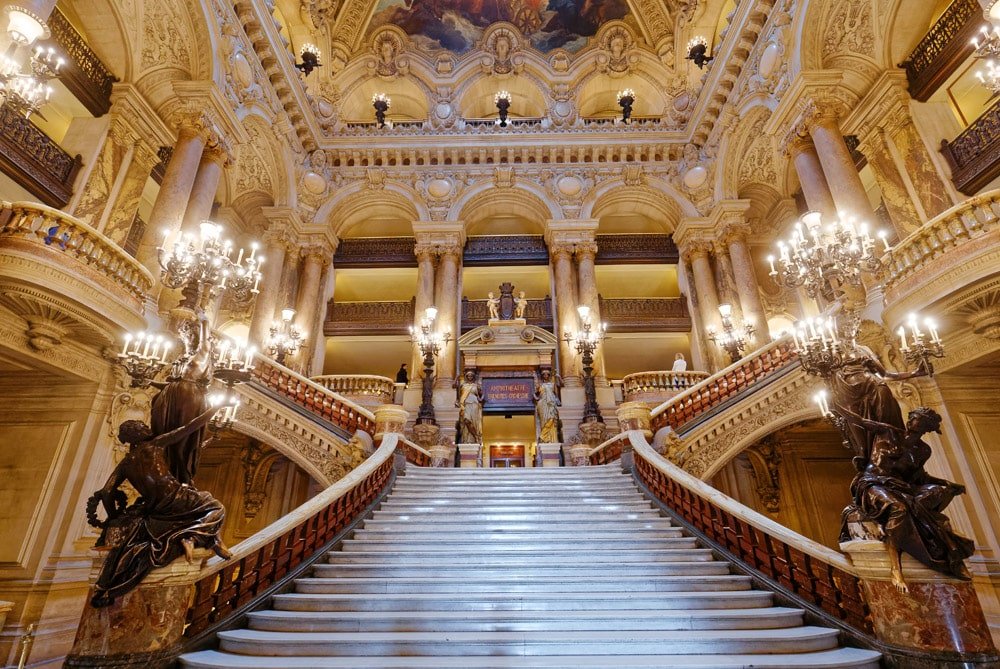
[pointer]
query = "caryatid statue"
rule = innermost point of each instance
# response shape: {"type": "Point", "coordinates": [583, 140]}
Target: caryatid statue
{"type": "Point", "coordinates": [470, 409]}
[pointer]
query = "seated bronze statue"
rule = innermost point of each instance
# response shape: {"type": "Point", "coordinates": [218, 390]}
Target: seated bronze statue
{"type": "Point", "coordinates": [168, 520]}
{"type": "Point", "coordinates": [894, 491]}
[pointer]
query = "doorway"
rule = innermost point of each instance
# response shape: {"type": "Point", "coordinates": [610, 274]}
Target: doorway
{"type": "Point", "coordinates": [509, 440]}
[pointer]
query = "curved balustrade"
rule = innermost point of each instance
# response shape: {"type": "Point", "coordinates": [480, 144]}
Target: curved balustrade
{"type": "Point", "coordinates": [723, 386]}
{"type": "Point", "coordinates": [609, 451]}
{"type": "Point", "coordinates": [960, 240]}
{"type": "Point", "coordinates": [260, 562]}
{"type": "Point", "coordinates": [314, 398]}
{"type": "Point", "coordinates": [658, 385]}
{"type": "Point", "coordinates": [813, 572]}
{"type": "Point", "coordinates": [54, 232]}
{"type": "Point", "coordinates": [415, 455]}
{"type": "Point", "coordinates": [364, 388]}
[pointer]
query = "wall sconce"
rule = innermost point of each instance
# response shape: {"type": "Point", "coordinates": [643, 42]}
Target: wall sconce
{"type": "Point", "coordinates": [381, 102]}
{"type": "Point", "coordinates": [698, 52]}
{"type": "Point", "coordinates": [502, 101]}
{"type": "Point", "coordinates": [626, 99]}
{"type": "Point", "coordinates": [310, 54]}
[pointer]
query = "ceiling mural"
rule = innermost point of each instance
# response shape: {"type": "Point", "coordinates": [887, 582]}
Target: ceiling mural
{"type": "Point", "coordinates": [457, 25]}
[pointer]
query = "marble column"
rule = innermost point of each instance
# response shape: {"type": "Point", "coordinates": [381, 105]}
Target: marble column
{"type": "Point", "coordinates": [811, 177]}
{"type": "Point", "coordinates": [172, 200]}
{"type": "Point", "coordinates": [327, 283]}
{"type": "Point", "coordinates": [586, 255]}
{"type": "Point", "coordinates": [746, 279]}
{"type": "Point", "coordinates": [446, 301]}
{"type": "Point", "coordinates": [102, 182]}
{"type": "Point", "coordinates": [314, 258]}
{"type": "Point", "coordinates": [902, 212]}
{"type": "Point", "coordinates": [707, 296]}
{"type": "Point", "coordinates": [266, 305]}
{"type": "Point", "coordinates": [424, 298]}
{"type": "Point", "coordinates": [206, 185]}
{"type": "Point", "coordinates": [566, 315]}
{"type": "Point", "coordinates": [725, 281]}
{"type": "Point", "coordinates": [838, 165]}
{"type": "Point", "coordinates": [122, 209]}
{"type": "Point", "coordinates": [699, 357]}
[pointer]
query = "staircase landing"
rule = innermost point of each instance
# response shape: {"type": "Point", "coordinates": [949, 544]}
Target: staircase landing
{"type": "Point", "coordinates": [530, 568]}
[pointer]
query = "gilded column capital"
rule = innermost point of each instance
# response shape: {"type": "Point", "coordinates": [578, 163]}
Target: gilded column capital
{"type": "Point", "coordinates": [440, 239]}
{"type": "Point", "coordinates": [316, 251]}
{"type": "Point", "coordinates": [696, 249]}
{"type": "Point", "coordinates": [585, 251]}
{"type": "Point", "coordinates": [424, 251]}
{"type": "Point", "coordinates": [561, 250]}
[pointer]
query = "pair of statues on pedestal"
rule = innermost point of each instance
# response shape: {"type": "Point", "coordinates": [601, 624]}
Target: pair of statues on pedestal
{"type": "Point", "coordinates": [892, 489]}
{"type": "Point", "coordinates": [171, 517]}
{"type": "Point", "coordinates": [470, 406]}
{"type": "Point", "coordinates": [506, 307]}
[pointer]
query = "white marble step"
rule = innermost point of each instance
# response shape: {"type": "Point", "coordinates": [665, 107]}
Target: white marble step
{"type": "Point", "coordinates": [606, 557]}
{"type": "Point", "coordinates": [522, 535]}
{"type": "Point", "coordinates": [523, 621]}
{"type": "Point", "coordinates": [446, 525]}
{"type": "Point", "coordinates": [611, 584]}
{"type": "Point", "coordinates": [438, 507]}
{"type": "Point", "coordinates": [513, 495]}
{"type": "Point", "coordinates": [591, 642]}
{"type": "Point", "coordinates": [527, 601]}
{"type": "Point", "coordinates": [471, 544]}
{"type": "Point", "coordinates": [504, 569]}
{"type": "Point", "coordinates": [539, 515]}
{"type": "Point", "coordinates": [839, 658]}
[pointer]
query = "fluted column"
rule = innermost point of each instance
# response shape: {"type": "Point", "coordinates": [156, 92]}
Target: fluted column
{"type": "Point", "coordinates": [735, 238]}
{"type": "Point", "coordinates": [424, 298]}
{"type": "Point", "coordinates": [838, 165]}
{"type": "Point", "coordinates": [172, 200]}
{"type": "Point", "coordinates": [446, 301]}
{"type": "Point", "coordinates": [206, 185]}
{"type": "Point", "coordinates": [276, 242]}
{"type": "Point", "coordinates": [566, 302]}
{"type": "Point", "coordinates": [586, 255]}
{"type": "Point", "coordinates": [802, 151]}
{"type": "Point", "coordinates": [315, 257]}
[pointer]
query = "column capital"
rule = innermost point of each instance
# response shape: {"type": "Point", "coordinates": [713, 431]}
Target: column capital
{"type": "Point", "coordinates": [284, 225]}
{"type": "Point", "coordinates": [885, 106]}
{"type": "Point", "coordinates": [570, 231]}
{"type": "Point", "coordinates": [439, 239]}
{"type": "Point", "coordinates": [129, 105]}
{"type": "Point", "coordinates": [585, 251]}
{"type": "Point", "coordinates": [694, 236]}
{"type": "Point", "coordinates": [317, 250]}
{"type": "Point", "coordinates": [205, 105]}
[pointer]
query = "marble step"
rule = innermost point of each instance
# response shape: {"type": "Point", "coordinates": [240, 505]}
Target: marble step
{"type": "Point", "coordinates": [489, 506]}
{"type": "Point", "coordinates": [446, 525]}
{"type": "Point", "coordinates": [591, 642]}
{"type": "Point", "coordinates": [499, 570]}
{"type": "Point", "coordinates": [839, 658]}
{"type": "Point", "coordinates": [493, 488]}
{"type": "Point", "coordinates": [523, 621]}
{"type": "Point", "coordinates": [471, 544]}
{"type": "Point", "coordinates": [605, 557]}
{"type": "Point", "coordinates": [516, 495]}
{"type": "Point", "coordinates": [528, 601]}
{"type": "Point", "coordinates": [450, 473]}
{"type": "Point", "coordinates": [622, 534]}
{"type": "Point", "coordinates": [539, 515]}
{"type": "Point", "coordinates": [555, 585]}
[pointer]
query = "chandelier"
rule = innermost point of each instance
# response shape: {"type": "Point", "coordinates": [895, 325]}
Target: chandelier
{"type": "Point", "coordinates": [143, 357]}
{"type": "Point", "coordinates": [310, 55]}
{"type": "Point", "coordinates": [203, 266]}
{"type": "Point", "coordinates": [734, 336]}
{"type": "Point", "coordinates": [819, 257]}
{"type": "Point", "coordinates": [24, 86]}
{"type": "Point", "coordinates": [285, 338]}
{"type": "Point", "coordinates": [987, 45]}
{"type": "Point", "coordinates": [920, 346]}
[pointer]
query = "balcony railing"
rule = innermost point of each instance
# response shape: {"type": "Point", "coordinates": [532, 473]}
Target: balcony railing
{"type": "Point", "coordinates": [368, 318]}
{"type": "Point", "coordinates": [476, 313]}
{"type": "Point", "coordinates": [658, 386]}
{"type": "Point", "coordinates": [86, 77]}
{"type": "Point", "coordinates": [668, 314]}
{"type": "Point", "coordinates": [945, 47]}
{"type": "Point", "coordinates": [364, 389]}
{"type": "Point", "coordinates": [974, 156]}
{"type": "Point", "coordinates": [34, 161]}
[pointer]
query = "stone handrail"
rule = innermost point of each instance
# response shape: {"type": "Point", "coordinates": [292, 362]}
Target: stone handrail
{"type": "Point", "coordinates": [820, 575]}
{"type": "Point", "coordinates": [693, 403]}
{"type": "Point", "coordinates": [261, 561]}
{"type": "Point", "coordinates": [642, 382]}
{"type": "Point", "coordinates": [415, 454]}
{"type": "Point", "coordinates": [60, 232]}
{"type": "Point", "coordinates": [381, 388]}
{"type": "Point", "coordinates": [312, 397]}
{"type": "Point", "coordinates": [609, 451]}
{"type": "Point", "coordinates": [951, 229]}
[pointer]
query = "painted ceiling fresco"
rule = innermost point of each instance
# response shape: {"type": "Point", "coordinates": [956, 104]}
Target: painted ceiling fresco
{"type": "Point", "coordinates": [456, 25]}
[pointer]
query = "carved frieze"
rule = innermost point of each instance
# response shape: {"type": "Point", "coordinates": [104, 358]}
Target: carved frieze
{"type": "Point", "coordinates": [368, 318]}
{"type": "Point", "coordinates": [646, 314]}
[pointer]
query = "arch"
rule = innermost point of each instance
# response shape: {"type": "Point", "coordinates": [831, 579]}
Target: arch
{"type": "Point", "coordinates": [657, 194]}
{"type": "Point", "coordinates": [644, 201]}
{"type": "Point", "coordinates": [485, 199]}
{"type": "Point", "coordinates": [476, 98]}
{"type": "Point", "coordinates": [260, 164]}
{"type": "Point", "coordinates": [357, 205]}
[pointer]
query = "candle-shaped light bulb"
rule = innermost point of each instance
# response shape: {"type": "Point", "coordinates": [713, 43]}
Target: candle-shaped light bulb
{"type": "Point", "coordinates": [902, 339]}
{"type": "Point", "coordinates": [912, 321]}
{"type": "Point", "coordinates": [239, 258]}
{"type": "Point", "coordinates": [253, 250]}
{"type": "Point", "coordinates": [166, 348]}
{"type": "Point", "coordinates": [128, 340]}
{"type": "Point", "coordinates": [885, 239]}
{"type": "Point", "coordinates": [770, 261]}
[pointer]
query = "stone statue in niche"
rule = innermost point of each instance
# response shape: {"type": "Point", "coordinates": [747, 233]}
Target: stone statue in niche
{"type": "Point", "coordinates": [170, 518]}
{"type": "Point", "coordinates": [892, 488]}
{"type": "Point", "coordinates": [520, 306]}
{"type": "Point", "coordinates": [547, 405]}
{"type": "Point", "coordinates": [470, 409]}
{"type": "Point", "coordinates": [506, 301]}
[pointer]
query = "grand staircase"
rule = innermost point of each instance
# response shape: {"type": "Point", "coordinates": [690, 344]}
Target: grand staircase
{"type": "Point", "coordinates": [568, 568]}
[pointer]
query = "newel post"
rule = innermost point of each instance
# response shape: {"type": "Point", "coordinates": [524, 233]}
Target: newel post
{"type": "Point", "coordinates": [633, 416]}
{"type": "Point", "coordinates": [391, 418]}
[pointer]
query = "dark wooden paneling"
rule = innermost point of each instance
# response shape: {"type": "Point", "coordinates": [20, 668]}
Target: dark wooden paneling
{"type": "Point", "coordinates": [83, 73]}
{"type": "Point", "coordinates": [34, 161]}
{"type": "Point", "coordinates": [974, 155]}
{"type": "Point", "coordinates": [376, 252]}
{"type": "Point", "coordinates": [368, 318]}
{"type": "Point", "coordinates": [943, 49]}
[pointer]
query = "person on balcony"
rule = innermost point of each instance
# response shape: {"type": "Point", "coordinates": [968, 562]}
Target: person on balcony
{"type": "Point", "coordinates": [680, 363]}
{"type": "Point", "coordinates": [402, 376]}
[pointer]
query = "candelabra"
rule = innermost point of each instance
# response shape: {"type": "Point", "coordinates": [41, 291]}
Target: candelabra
{"type": "Point", "coordinates": [226, 415]}
{"type": "Point", "coordinates": [310, 54]}
{"type": "Point", "coordinates": [920, 347]}
{"type": "Point", "coordinates": [819, 257]}
{"type": "Point", "coordinates": [144, 356]}
{"type": "Point", "coordinates": [502, 101]}
{"type": "Point", "coordinates": [734, 336]}
{"type": "Point", "coordinates": [203, 267]}
{"type": "Point", "coordinates": [586, 340]}
{"type": "Point", "coordinates": [233, 362]}
{"type": "Point", "coordinates": [285, 339]}
{"type": "Point", "coordinates": [429, 341]}
{"type": "Point", "coordinates": [698, 52]}
{"type": "Point", "coordinates": [24, 86]}
{"type": "Point", "coordinates": [626, 99]}
{"type": "Point", "coordinates": [381, 102]}
{"type": "Point", "coordinates": [987, 45]}
{"type": "Point", "coordinates": [819, 346]}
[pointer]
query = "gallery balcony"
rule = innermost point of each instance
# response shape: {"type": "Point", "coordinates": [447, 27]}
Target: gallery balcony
{"type": "Point", "coordinates": [657, 387]}
{"type": "Point", "coordinates": [367, 390]}
{"type": "Point", "coordinates": [943, 49]}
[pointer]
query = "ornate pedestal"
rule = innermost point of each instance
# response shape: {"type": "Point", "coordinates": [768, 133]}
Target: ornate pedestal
{"type": "Point", "coordinates": [389, 418]}
{"type": "Point", "coordinates": [125, 634]}
{"type": "Point", "coordinates": [940, 616]}
{"type": "Point", "coordinates": [470, 455]}
{"type": "Point", "coordinates": [548, 455]}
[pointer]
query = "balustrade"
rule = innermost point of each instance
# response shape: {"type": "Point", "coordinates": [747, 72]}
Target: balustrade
{"type": "Point", "coordinates": [974, 156]}
{"type": "Point", "coordinates": [414, 454]}
{"type": "Point", "coordinates": [368, 318]}
{"type": "Point", "coordinates": [684, 409]}
{"type": "Point", "coordinates": [609, 451]}
{"type": "Point", "coordinates": [364, 388]}
{"type": "Point", "coordinates": [35, 161]}
{"type": "Point", "coordinates": [86, 77]}
{"type": "Point", "coordinates": [943, 49]}
{"type": "Point", "coordinates": [645, 386]}
{"type": "Point", "coordinates": [314, 398]}
{"type": "Point", "coordinates": [64, 239]}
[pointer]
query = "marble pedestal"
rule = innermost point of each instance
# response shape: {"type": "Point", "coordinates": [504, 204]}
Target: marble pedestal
{"type": "Point", "coordinates": [470, 455]}
{"type": "Point", "coordinates": [549, 454]}
{"type": "Point", "coordinates": [127, 633]}
{"type": "Point", "coordinates": [940, 616]}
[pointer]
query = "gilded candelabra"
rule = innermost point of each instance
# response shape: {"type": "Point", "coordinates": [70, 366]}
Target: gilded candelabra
{"type": "Point", "coordinates": [502, 101]}
{"type": "Point", "coordinates": [735, 337]}
{"type": "Point", "coordinates": [586, 340]}
{"type": "Point", "coordinates": [144, 356]}
{"type": "Point", "coordinates": [285, 338]}
{"type": "Point", "coordinates": [430, 342]}
{"type": "Point", "coordinates": [819, 346]}
{"type": "Point", "coordinates": [626, 98]}
{"type": "Point", "coordinates": [381, 102]}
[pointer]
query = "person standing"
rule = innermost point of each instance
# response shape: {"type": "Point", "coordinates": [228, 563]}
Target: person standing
{"type": "Point", "coordinates": [680, 364]}
{"type": "Point", "coordinates": [402, 376]}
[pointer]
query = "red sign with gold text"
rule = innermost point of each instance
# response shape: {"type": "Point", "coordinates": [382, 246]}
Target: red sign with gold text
{"type": "Point", "coordinates": [508, 393]}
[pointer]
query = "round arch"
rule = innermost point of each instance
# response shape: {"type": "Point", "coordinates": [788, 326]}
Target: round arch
{"type": "Point", "coordinates": [388, 212]}
{"type": "Point", "coordinates": [485, 200]}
